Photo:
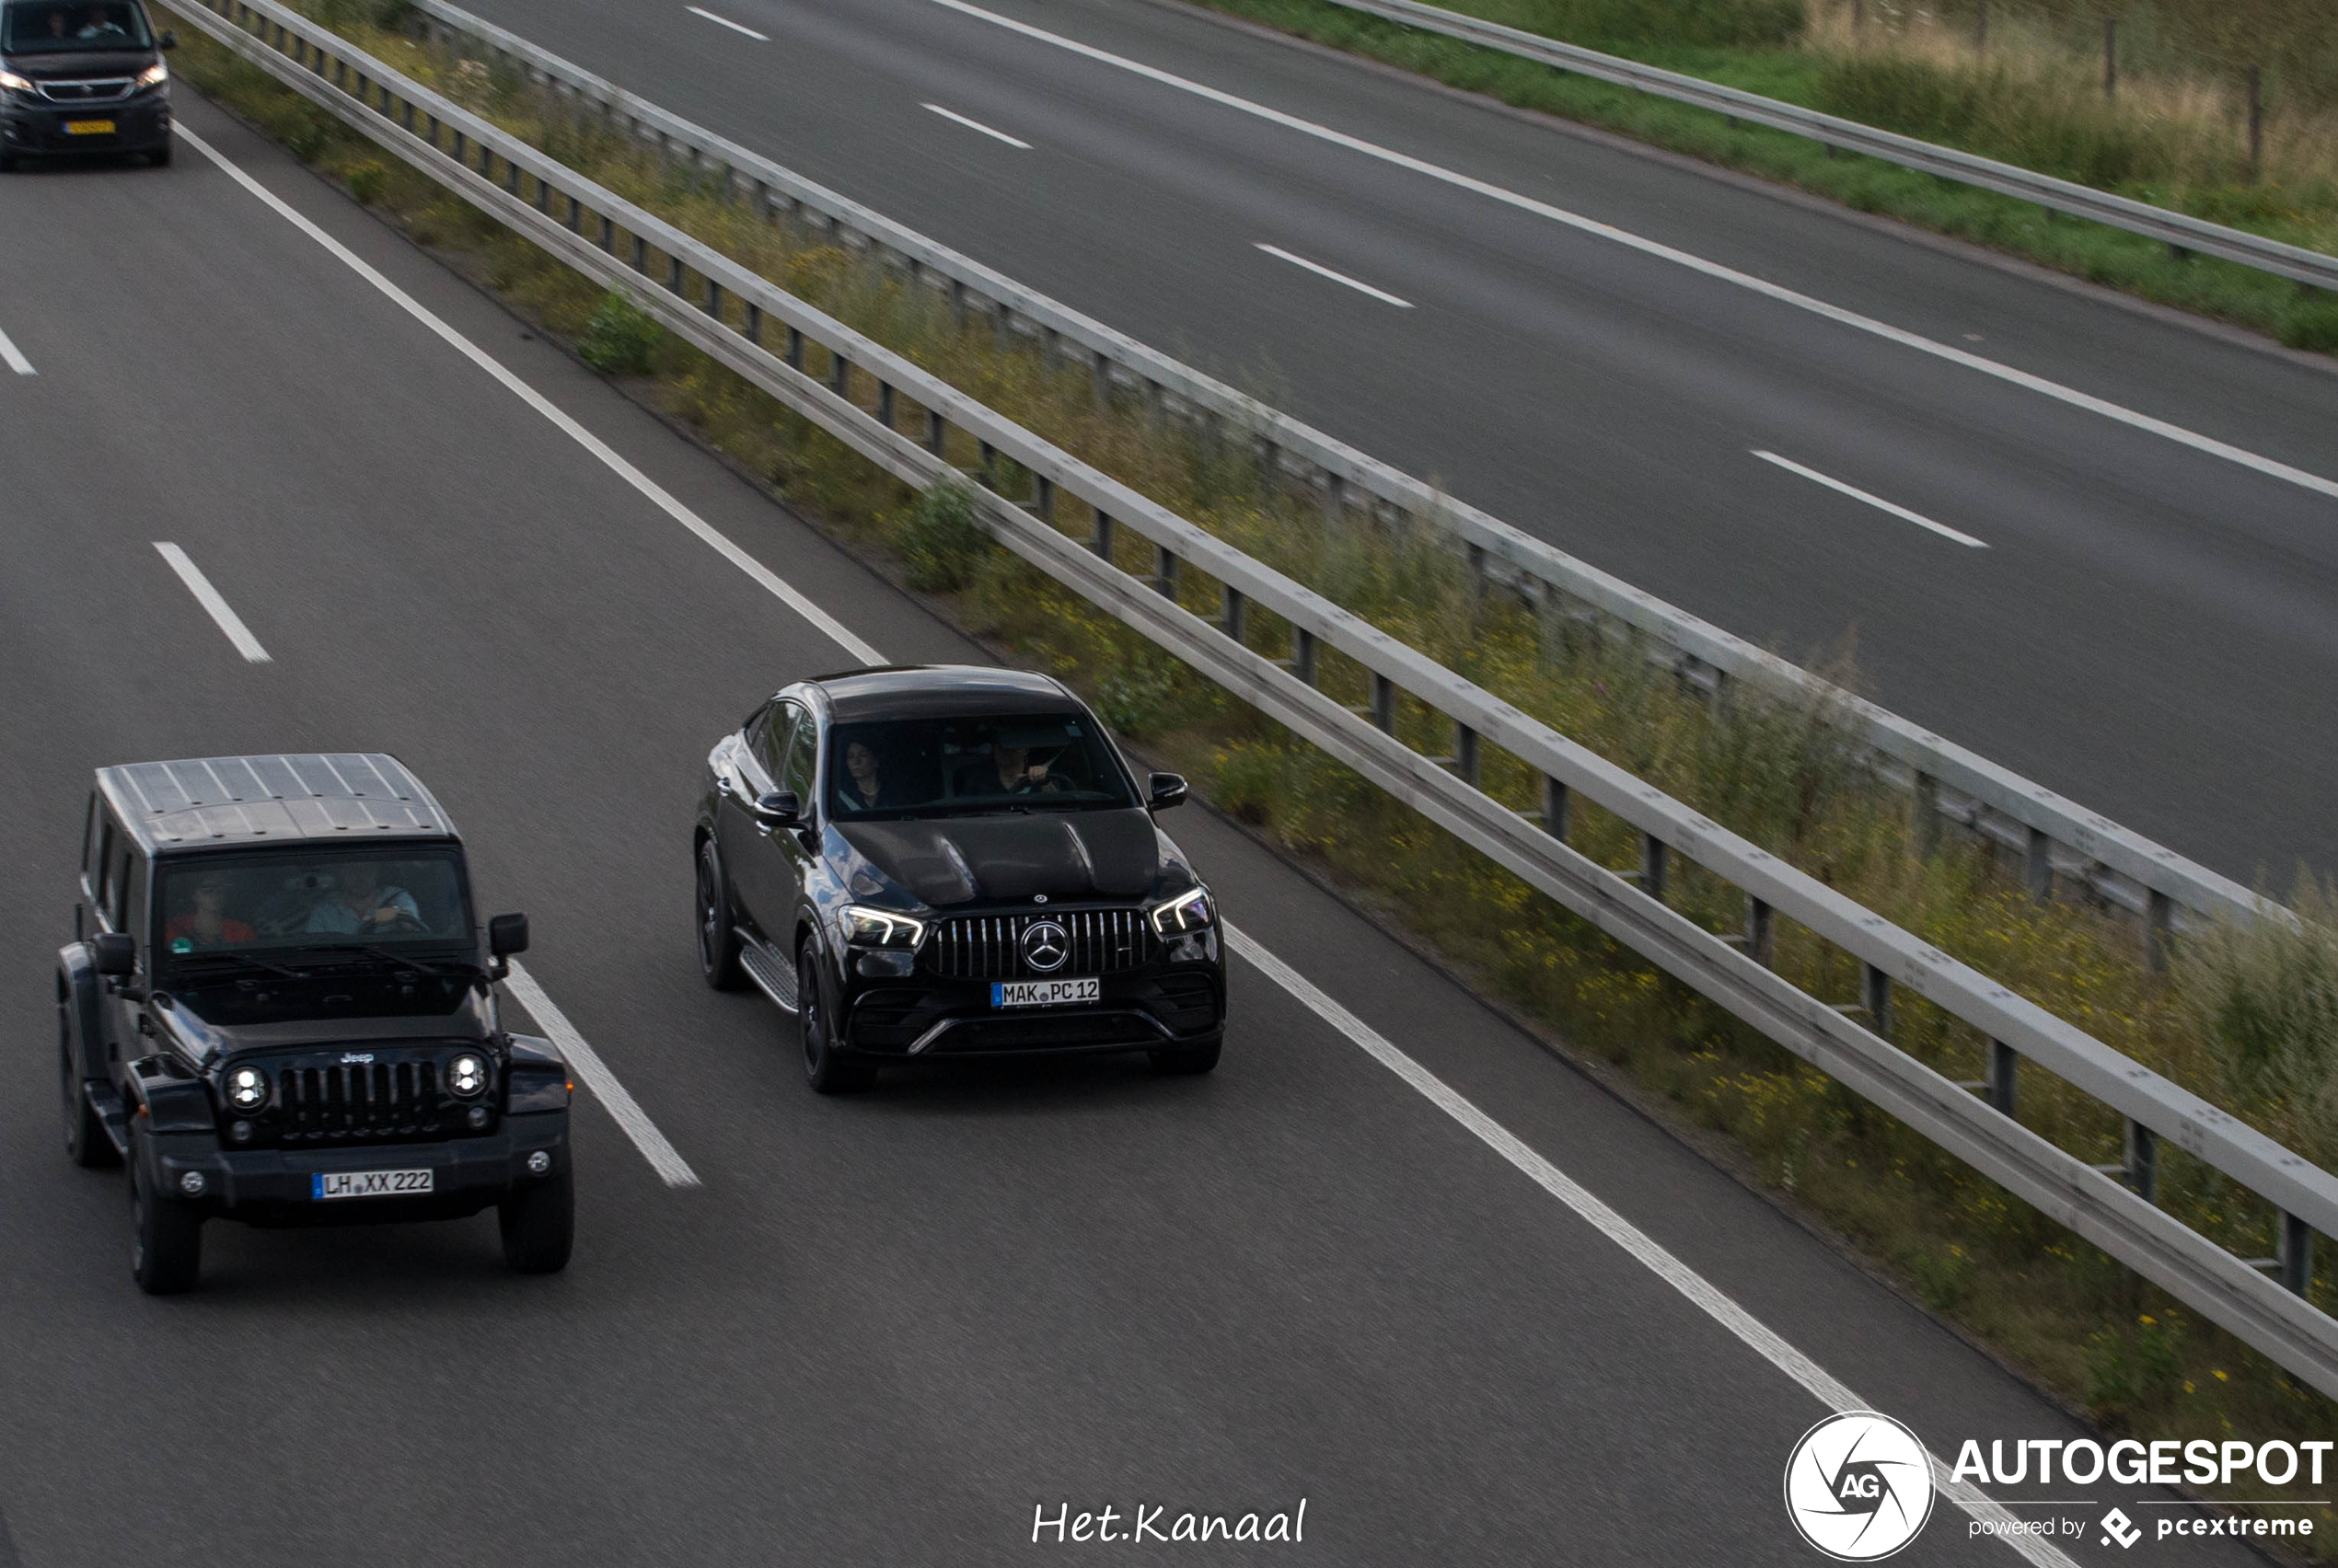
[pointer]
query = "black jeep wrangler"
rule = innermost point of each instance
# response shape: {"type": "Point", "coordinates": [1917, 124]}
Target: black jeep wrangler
{"type": "Point", "coordinates": [275, 1009]}
{"type": "Point", "coordinates": [949, 862]}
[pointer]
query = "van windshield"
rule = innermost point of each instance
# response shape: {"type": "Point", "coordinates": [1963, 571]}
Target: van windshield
{"type": "Point", "coordinates": [73, 26]}
{"type": "Point", "coordinates": [256, 904]}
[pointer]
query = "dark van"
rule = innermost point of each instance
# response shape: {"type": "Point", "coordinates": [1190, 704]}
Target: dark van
{"type": "Point", "coordinates": [80, 77]}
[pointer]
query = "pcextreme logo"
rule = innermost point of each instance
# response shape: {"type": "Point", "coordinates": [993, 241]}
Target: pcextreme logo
{"type": "Point", "coordinates": [1858, 1486]}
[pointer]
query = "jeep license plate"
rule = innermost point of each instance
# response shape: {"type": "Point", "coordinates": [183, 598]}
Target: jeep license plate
{"type": "Point", "coordinates": [1041, 993]}
{"type": "Point", "coordinates": [88, 127]}
{"type": "Point", "coordinates": [368, 1184]}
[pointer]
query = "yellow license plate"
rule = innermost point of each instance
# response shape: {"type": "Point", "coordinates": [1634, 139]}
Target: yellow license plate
{"type": "Point", "coordinates": [88, 127]}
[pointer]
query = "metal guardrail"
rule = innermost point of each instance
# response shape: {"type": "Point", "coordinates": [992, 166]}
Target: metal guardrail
{"type": "Point", "coordinates": [2175, 229]}
{"type": "Point", "coordinates": [727, 311]}
{"type": "Point", "coordinates": [2049, 836]}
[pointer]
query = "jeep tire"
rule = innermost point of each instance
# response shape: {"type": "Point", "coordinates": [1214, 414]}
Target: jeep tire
{"type": "Point", "coordinates": [539, 1224]}
{"type": "Point", "coordinates": [166, 1235]}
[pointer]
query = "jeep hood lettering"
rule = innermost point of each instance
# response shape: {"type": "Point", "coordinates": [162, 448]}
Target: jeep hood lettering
{"type": "Point", "coordinates": [1065, 854]}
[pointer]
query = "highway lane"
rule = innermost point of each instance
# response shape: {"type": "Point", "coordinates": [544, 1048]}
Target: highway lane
{"type": "Point", "coordinates": [2149, 631]}
{"type": "Point", "coordinates": [883, 1329]}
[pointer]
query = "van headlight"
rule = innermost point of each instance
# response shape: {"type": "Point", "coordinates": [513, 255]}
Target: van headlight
{"type": "Point", "coordinates": [868, 926]}
{"type": "Point", "coordinates": [1187, 912]}
{"type": "Point", "coordinates": [154, 76]}
{"type": "Point", "coordinates": [11, 82]}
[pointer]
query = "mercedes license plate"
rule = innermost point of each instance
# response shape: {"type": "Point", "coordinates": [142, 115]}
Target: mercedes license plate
{"type": "Point", "coordinates": [88, 127]}
{"type": "Point", "coordinates": [1040, 993]}
{"type": "Point", "coordinates": [368, 1184]}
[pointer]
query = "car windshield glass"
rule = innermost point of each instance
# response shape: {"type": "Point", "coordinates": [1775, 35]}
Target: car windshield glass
{"type": "Point", "coordinates": [950, 766]}
{"type": "Point", "coordinates": [65, 27]}
{"type": "Point", "coordinates": [256, 904]}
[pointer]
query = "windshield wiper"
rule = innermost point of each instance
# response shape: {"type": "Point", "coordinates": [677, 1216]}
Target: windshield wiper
{"type": "Point", "coordinates": [233, 961]}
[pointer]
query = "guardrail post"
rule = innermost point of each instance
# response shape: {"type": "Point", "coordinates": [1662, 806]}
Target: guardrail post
{"type": "Point", "coordinates": [1384, 703]}
{"type": "Point", "coordinates": [1465, 754]}
{"type": "Point", "coordinates": [1335, 497]}
{"type": "Point", "coordinates": [1875, 995]}
{"type": "Point", "coordinates": [839, 374]}
{"type": "Point", "coordinates": [1761, 932]}
{"type": "Point", "coordinates": [2158, 931]}
{"type": "Point", "coordinates": [2004, 1080]}
{"type": "Point", "coordinates": [795, 348]}
{"type": "Point", "coordinates": [674, 274]}
{"type": "Point", "coordinates": [986, 468]}
{"type": "Point", "coordinates": [1655, 863]}
{"type": "Point", "coordinates": [1927, 814]}
{"type": "Point", "coordinates": [751, 324]}
{"type": "Point", "coordinates": [1100, 541]}
{"type": "Point", "coordinates": [608, 234]}
{"type": "Point", "coordinates": [884, 404]}
{"type": "Point", "coordinates": [2143, 1162]}
{"type": "Point", "coordinates": [1100, 375]}
{"type": "Point", "coordinates": [2037, 864]}
{"type": "Point", "coordinates": [576, 215]}
{"type": "Point", "coordinates": [1043, 491]}
{"type": "Point", "coordinates": [1558, 806]}
{"type": "Point", "coordinates": [714, 301]}
{"type": "Point", "coordinates": [641, 255]}
{"type": "Point", "coordinates": [1165, 572]}
{"type": "Point", "coordinates": [1302, 654]}
{"type": "Point", "coordinates": [2296, 1255]}
{"type": "Point", "coordinates": [1231, 606]}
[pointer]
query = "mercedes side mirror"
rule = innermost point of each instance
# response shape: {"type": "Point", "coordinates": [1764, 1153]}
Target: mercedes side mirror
{"type": "Point", "coordinates": [1165, 790]}
{"type": "Point", "coordinates": [113, 955]}
{"type": "Point", "coordinates": [168, 41]}
{"type": "Point", "coordinates": [508, 934]}
{"type": "Point", "coordinates": [780, 808]}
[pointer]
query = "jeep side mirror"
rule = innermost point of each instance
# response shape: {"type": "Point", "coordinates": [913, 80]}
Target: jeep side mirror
{"type": "Point", "coordinates": [780, 808]}
{"type": "Point", "coordinates": [1165, 790]}
{"type": "Point", "coordinates": [508, 934]}
{"type": "Point", "coordinates": [168, 41]}
{"type": "Point", "coordinates": [113, 954]}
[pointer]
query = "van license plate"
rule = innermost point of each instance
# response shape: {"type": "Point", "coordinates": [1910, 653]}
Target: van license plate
{"type": "Point", "coordinates": [1041, 993]}
{"type": "Point", "coordinates": [368, 1184]}
{"type": "Point", "coordinates": [88, 127]}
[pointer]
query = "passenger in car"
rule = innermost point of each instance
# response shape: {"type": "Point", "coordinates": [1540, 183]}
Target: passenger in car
{"type": "Point", "coordinates": [207, 924]}
{"type": "Point", "coordinates": [359, 904]}
{"type": "Point", "coordinates": [863, 789]}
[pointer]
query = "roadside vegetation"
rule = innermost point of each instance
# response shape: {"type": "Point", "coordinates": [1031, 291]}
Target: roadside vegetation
{"type": "Point", "coordinates": [2247, 1019]}
{"type": "Point", "coordinates": [2025, 87]}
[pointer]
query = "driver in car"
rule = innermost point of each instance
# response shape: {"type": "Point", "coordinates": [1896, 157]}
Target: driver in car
{"type": "Point", "coordinates": [360, 904]}
{"type": "Point", "coordinates": [1018, 775]}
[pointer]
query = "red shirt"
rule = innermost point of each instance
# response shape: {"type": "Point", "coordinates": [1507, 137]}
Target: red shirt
{"type": "Point", "coordinates": [229, 930]}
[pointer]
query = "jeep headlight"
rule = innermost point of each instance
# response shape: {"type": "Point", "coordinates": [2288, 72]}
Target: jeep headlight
{"type": "Point", "coordinates": [247, 1089]}
{"type": "Point", "coordinates": [466, 1077]}
{"type": "Point", "coordinates": [154, 76]}
{"type": "Point", "coordinates": [1187, 912]}
{"type": "Point", "coordinates": [868, 926]}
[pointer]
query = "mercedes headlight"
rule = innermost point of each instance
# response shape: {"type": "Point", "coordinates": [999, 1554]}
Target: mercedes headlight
{"type": "Point", "coordinates": [466, 1077]}
{"type": "Point", "coordinates": [247, 1089]}
{"type": "Point", "coordinates": [1187, 912]}
{"type": "Point", "coordinates": [11, 82]}
{"type": "Point", "coordinates": [881, 928]}
{"type": "Point", "coordinates": [154, 76]}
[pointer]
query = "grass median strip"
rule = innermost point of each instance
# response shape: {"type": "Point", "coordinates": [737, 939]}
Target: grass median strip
{"type": "Point", "coordinates": [1783, 777]}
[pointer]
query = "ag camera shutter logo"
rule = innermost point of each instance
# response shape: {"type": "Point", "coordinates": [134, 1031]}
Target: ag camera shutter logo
{"type": "Point", "coordinates": [1858, 1486]}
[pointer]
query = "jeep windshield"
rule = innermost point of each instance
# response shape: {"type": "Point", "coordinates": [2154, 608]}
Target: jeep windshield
{"type": "Point", "coordinates": [961, 766]}
{"type": "Point", "coordinates": [73, 26]}
{"type": "Point", "coordinates": [372, 903]}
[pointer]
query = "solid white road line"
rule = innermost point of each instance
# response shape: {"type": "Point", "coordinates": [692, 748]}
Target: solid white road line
{"type": "Point", "coordinates": [1701, 1293]}
{"type": "Point", "coordinates": [977, 125]}
{"type": "Point", "coordinates": [1875, 500]}
{"type": "Point", "coordinates": [210, 599]}
{"type": "Point", "coordinates": [1323, 272]}
{"type": "Point", "coordinates": [663, 1157]}
{"type": "Point", "coordinates": [14, 360]}
{"type": "Point", "coordinates": [1809, 1374]}
{"type": "Point", "coordinates": [2006, 373]}
{"type": "Point", "coordinates": [726, 22]}
{"type": "Point", "coordinates": [769, 582]}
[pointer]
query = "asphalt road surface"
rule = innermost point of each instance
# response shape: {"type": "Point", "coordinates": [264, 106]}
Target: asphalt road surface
{"type": "Point", "coordinates": [880, 1330]}
{"type": "Point", "coordinates": [2151, 630]}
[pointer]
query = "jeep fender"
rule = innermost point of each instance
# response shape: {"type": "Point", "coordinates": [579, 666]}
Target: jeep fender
{"type": "Point", "coordinates": [79, 998]}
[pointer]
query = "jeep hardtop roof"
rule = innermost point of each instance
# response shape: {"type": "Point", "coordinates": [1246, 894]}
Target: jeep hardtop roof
{"type": "Point", "coordinates": [267, 800]}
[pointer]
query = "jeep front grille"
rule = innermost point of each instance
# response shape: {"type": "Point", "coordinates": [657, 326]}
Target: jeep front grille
{"type": "Point", "coordinates": [354, 1102]}
{"type": "Point", "coordinates": [990, 947]}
